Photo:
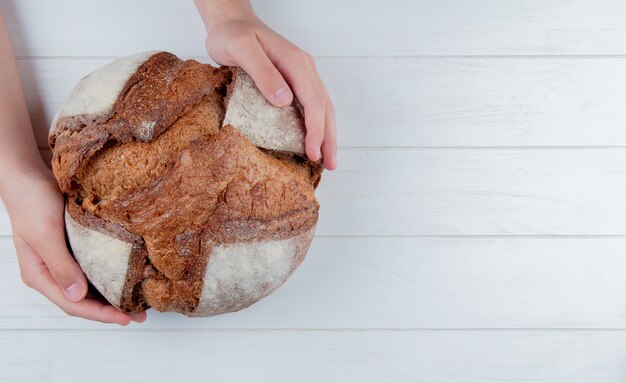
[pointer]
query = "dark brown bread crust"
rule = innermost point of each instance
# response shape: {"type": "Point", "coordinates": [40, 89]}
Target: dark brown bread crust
{"type": "Point", "coordinates": [160, 172]}
{"type": "Point", "coordinates": [162, 90]}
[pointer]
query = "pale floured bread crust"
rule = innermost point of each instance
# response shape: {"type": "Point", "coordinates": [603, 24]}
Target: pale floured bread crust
{"type": "Point", "coordinates": [97, 92]}
{"type": "Point", "coordinates": [205, 217]}
{"type": "Point", "coordinates": [240, 274]}
{"type": "Point", "coordinates": [264, 125]}
{"type": "Point", "coordinates": [104, 259]}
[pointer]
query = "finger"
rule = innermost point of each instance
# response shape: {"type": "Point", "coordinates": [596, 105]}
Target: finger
{"type": "Point", "coordinates": [62, 266]}
{"type": "Point", "coordinates": [329, 146]}
{"type": "Point", "coordinates": [139, 317]}
{"type": "Point", "coordinates": [299, 71]}
{"type": "Point", "coordinates": [41, 280]}
{"type": "Point", "coordinates": [314, 121]}
{"type": "Point", "coordinates": [253, 59]}
{"type": "Point", "coordinates": [95, 295]}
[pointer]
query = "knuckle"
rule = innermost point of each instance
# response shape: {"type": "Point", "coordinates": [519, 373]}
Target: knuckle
{"type": "Point", "coordinates": [58, 270]}
{"type": "Point", "coordinates": [268, 73]}
{"type": "Point", "coordinates": [297, 54]}
{"type": "Point", "coordinates": [317, 101]}
{"type": "Point", "coordinates": [238, 43]}
{"type": "Point", "coordinates": [27, 279]}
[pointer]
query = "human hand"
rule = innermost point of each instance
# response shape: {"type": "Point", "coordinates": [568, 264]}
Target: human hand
{"type": "Point", "coordinates": [237, 37]}
{"type": "Point", "coordinates": [36, 208]}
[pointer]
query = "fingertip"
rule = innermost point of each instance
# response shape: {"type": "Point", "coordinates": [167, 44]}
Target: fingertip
{"type": "Point", "coordinates": [313, 152]}
{"type": "Point", "coordinates": [282, 97]}
{"type": "Point", "coordinates": [330, 164]}
{"type": "Point", "coordinates": [124, 320]}
{"type": "Point", "coordinates": [314, 139]}
{"type": "Point", "coordinates": [75, 292]}
{"type": "Point", "coordinates": [329, 160]}
{"type": "Point", "coordinates": [139, 317]}
{"type": "Point", "coordinates": [110, 314]}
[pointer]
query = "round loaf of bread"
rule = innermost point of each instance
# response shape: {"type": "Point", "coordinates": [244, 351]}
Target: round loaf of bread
{"type": "Point", "coordinates": [185, 189]}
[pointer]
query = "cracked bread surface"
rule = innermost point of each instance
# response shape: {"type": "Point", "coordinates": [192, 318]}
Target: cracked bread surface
{"type": "Point", "coordinates": [214, 220]}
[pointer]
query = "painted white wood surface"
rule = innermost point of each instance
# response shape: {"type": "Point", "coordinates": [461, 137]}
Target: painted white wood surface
{"type": "Point", "coordinates": [429, 102]}
{"type": "Point", "coordinates": [316, 356]}
{"type": "Point", "coordinates": [329, 27]}
{"type": "Point", "coordinates": [404, 283]}
{"type": "Point", "coordinates": [474, 231]}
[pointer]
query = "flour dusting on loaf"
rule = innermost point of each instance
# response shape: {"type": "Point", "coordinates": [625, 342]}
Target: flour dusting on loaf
{"type": "Point", "coordinates": [240, 274]}
{"type": "Point", "coordinates": [186, 190]}
{"type": "Point", "coordinates": [96, 93]}
{"type": "Point", "coordinates": [263, 124]}
{"type": "Point", "coordinates": [104, 259]}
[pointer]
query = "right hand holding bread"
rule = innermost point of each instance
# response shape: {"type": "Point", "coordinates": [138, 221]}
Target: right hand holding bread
{"type": "Point", "coordinates": [237, 37]}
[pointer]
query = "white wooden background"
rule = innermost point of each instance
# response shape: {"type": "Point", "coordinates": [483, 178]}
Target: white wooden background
{"type": "Point", "coordinates": [474, 232]}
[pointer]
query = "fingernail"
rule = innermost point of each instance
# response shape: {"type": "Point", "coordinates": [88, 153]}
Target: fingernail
{"type": "Point", "coordinates": [139, 318]}
{"type": "Point", "coordinates": [319, 154]}
{"type": "Point", "coordinates": [282, 97]}
{"type": "Point", "coordinates": [73, 292]}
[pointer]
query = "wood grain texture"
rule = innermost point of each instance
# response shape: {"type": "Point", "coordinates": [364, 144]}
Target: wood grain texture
{"type": "Point", "coordinates": [428, 102]}
{"type": "Point", "coordinates": [402, 283]}
{"type": "Point", "coordinates": [475, 192]}
{"type": "Point", "coordinates": [318, 356]}
{"type": "Point", "coordinates": [328, 28]}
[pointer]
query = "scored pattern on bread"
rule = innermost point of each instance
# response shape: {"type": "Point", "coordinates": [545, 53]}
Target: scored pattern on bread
{"type": "Point", "coordinates": [205, 217]}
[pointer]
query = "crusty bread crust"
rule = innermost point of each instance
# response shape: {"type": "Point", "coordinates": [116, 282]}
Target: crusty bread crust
{"type": "Point", "coordinates": [211, 217]}
{"type": "Point", "coordinates": [95, 95]}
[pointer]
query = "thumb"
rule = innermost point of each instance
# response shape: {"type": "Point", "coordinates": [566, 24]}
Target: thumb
{"type": "Point", "coordinates": [265, 75]}
{"type": "Point", "coordinates": [64, 269]}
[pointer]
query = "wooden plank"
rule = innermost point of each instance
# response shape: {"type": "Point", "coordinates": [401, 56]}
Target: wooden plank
{"type": "Point", "coordinates": [472, 192]}
{"type": "Point", "coordinates": [416, 283]}
{"type": "Point", "coordinates": [328, 28]}
{"type": "Point", "coordinates": [475, 192]}
{"type": "Point", "coordinates": [355, 356]}
{"type": "Point", "coordinates": [428, 102]}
